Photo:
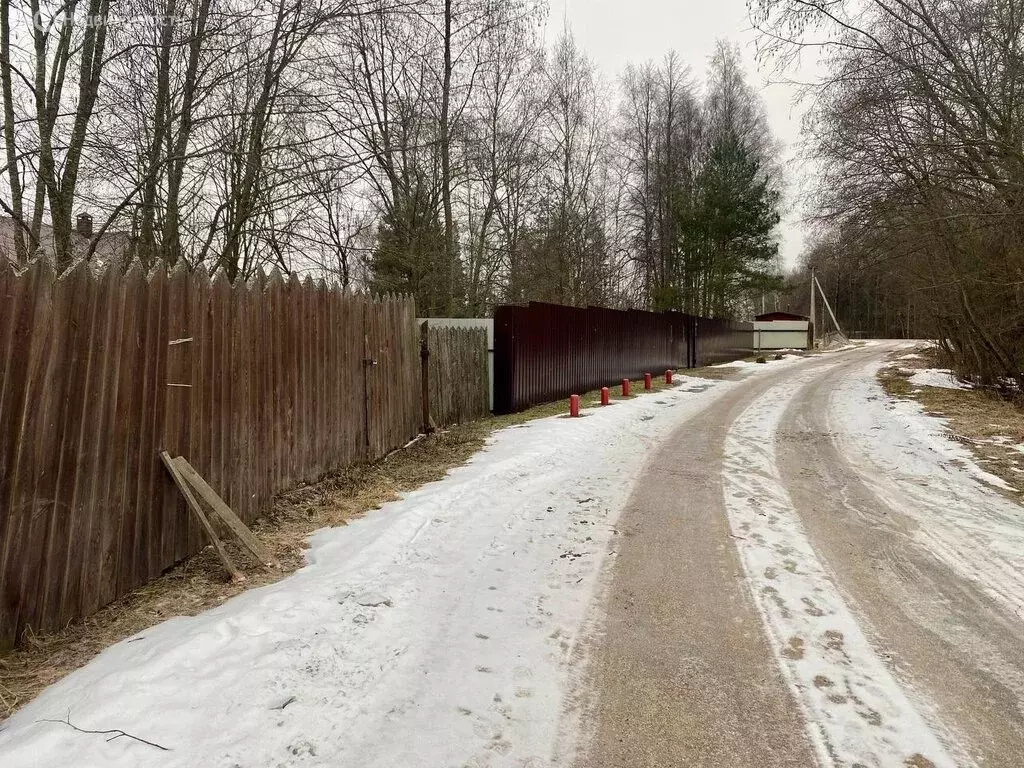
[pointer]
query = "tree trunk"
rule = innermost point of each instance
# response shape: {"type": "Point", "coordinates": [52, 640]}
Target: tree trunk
{"type": "Point", "coordinates": [450, 256]}
{"type": "Point", "coordinates": [11, 151]}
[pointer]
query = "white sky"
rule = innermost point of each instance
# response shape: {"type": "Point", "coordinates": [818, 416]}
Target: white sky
{"type": "Point", "coordinates": [614, 32]}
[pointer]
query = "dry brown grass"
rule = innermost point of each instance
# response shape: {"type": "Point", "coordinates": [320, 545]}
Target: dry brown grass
{"type": "Point", "coordinates": [200, 582]}
{"type": "Point", "coordinates": [985, 421]}
{"type": "Point", "coordinates": [714, 373]}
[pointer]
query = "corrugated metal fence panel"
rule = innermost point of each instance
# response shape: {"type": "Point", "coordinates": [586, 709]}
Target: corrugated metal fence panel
{"type": "Point", "coordinates": [545, 352]}
{"type": "Point", "coordinates": [721, 341]}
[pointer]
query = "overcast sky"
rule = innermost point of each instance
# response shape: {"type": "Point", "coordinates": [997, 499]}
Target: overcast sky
{"type": "Point", "coordinates": [615, 32]}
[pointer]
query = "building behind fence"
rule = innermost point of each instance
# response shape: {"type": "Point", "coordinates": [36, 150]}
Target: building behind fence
{"type": "Point", "coordinates": [261, 386]}
{"type": "Point", "coordinates": [544, 352]}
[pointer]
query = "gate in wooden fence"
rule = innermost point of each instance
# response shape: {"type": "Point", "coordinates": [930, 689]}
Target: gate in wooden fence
{"type": "Point", "coordinates": [261, 385]}
{"type": "Point", "coordinates": [458, 385]}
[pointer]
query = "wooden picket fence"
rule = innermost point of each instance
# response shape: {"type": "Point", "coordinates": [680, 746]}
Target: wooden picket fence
{"type": "Point", "coordinates": [459, 388]}
{"type": "Point", "coordinates": [262, 386]}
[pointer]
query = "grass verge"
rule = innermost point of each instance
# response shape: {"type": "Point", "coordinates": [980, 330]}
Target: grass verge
{"type": "Point", "coordinates": [989, 424]}
{"type": "Point", "coordinates": [199, 583]}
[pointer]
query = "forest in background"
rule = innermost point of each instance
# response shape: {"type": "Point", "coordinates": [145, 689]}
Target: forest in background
{"type": "Point", "coordinates": [917, 132]}
{"type": "Point", "coordinates": [440, 148]}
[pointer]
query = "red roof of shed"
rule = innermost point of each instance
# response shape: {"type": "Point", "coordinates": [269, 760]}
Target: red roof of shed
{"type": "Point", "coordinates": [768, 316]}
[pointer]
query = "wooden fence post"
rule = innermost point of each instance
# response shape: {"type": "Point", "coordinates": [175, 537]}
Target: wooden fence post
{"type": "Point", "coordinates": [428, 424]}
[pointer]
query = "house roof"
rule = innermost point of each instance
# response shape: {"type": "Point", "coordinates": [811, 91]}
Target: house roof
{"type": "Point", "coordinates": [112, 246]}
{"type": "Point", "coordinates": [769, 316]}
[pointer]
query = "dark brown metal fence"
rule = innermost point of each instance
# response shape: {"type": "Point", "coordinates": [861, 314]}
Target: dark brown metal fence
{"type": "Point", "coordinates": [721, 341]}
{"type": "Point", "coordinates": [543, 352]}
{"type": "Point", "coordinates": [261, 386]}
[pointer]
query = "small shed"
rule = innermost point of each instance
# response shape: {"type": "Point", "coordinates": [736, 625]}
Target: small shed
{"type": "Point", "coordinates": [782, 330]}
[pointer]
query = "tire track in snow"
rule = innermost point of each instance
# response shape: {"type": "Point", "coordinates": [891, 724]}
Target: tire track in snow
{"type": "Point", "coordinates": [856, 711]}
{"type": "Point", "coordinates": [940, 630]}
{"type": "Point", "coordinates": [909, 462]}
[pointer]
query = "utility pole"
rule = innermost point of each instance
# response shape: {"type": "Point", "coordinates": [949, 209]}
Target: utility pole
{"type": "Point", "coordinates": [814, 325]}
{"type": "Point", "coordinates": [828, 306]}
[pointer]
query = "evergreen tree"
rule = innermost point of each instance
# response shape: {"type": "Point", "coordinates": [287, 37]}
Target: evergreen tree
{"type": "Point", "coordinates": [738, 216]}
{"type": "Point", "coordinates": [408, 255]}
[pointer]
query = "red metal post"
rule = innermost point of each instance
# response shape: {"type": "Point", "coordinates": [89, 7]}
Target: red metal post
{"type": "Point", "coordinates": [647, 381]}
{"type": "Point", "coordinates": [574, 405]}
{"type": "Point", "coordinates": [625, 387]}
{"type": "Point", "coordinates": [604, 395]}
{"type": "Point", "coordinates": [668, 376]}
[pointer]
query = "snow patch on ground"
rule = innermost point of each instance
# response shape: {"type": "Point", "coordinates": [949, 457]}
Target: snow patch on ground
{"type": "Point", "coordinates": [768, 355]}
{"type": "Point", "coordinates": [828, 347]}
{"type": "Point", "coordinates": [440, 630]}
{"type": "Point", "coordinates": [856, 711]}
{"type": "Point", "coordinates": [937, 377]}
{"type": "Point", "coordinates": [908, 460]}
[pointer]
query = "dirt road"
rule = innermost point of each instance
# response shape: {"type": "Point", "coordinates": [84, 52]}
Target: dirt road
{"type": "Point", "coordinates": [800, 582]}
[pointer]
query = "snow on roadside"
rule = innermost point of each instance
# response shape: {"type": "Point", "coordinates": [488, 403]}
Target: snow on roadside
{"type": "Point", "coordinates": [856, 711]}
{"type": "Point", "coordinates": [753, 364]}
{"type": "Point", "coordinates": [439, 630]}
{"type": "Point", "coordinates": [936, 377]}
{"type": "Point", "coordinates": [908, 460]}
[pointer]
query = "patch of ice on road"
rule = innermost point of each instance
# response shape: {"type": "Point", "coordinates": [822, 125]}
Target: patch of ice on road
{"type": "Point", "coordinates": [937, 377]}
{"type": "Point", "coordinates": [440, 630]}
{"type": "Point", "coordinates": [856, 711]}
{"type": "Point", "coordinates": [908, 460]}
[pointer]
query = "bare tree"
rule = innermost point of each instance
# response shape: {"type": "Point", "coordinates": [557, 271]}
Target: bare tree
{"type": "Point", "coordinates": [917, 128]}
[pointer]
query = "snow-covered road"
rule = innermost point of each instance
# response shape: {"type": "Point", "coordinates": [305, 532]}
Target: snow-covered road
{"type": "Point", "coordinates": [857, 710]}
{"type": "Point", "coordinates": [782, 569]}
{"type": "Point", "coordinates": [839, 585]}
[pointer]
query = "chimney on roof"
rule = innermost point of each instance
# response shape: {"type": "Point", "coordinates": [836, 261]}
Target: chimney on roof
{"type": "Point", "coordinates": [84, 225]}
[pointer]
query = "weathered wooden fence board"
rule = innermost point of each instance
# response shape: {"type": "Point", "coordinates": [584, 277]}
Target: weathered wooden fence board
{"type": "Point", "coordinates": [260, 385]}
{"type": "Point", "coordinates": [459, 387]}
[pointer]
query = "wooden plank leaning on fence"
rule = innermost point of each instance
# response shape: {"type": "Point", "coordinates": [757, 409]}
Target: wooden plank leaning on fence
{"type": "Point", "coordinates": [200, 515]}
{"type": "Point", "coordinates": [227, 516]}
{"type": "Point", "coordinates": [193, 487]}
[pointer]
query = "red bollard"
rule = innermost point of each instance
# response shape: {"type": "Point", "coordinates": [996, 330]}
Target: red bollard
{"type": "Point", "coordinates": [604, 395]}
{"type": "Point", "coordinates": [647, 381]}
{"type": "Point", "coordinates": [625, 387]}
{"type": "Point", "coordinates": [574, 405]}
{"type": "Point", "coordinates": [668, 376]}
